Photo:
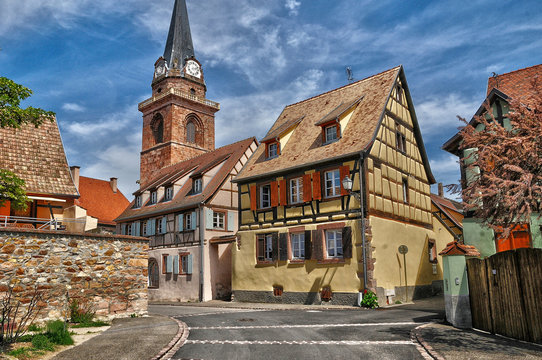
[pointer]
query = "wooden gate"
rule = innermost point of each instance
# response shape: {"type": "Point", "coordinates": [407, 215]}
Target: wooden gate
{"type": "Point", "coordinates": [506, 294]}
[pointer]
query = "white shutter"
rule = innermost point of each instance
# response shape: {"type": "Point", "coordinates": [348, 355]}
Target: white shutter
{"type": "Point", "coordinates": [193, 215]}
{"type": "Point", "coordinates": [123, 229]}
{"type": "Point", "coordinates": [164, 224]}
{"type": "Point", "coordinates": [169, 264]}
{"type": "Point", "coordinates": [231, 221]}
{"type": "Point", "coordinates": [189, 264]}
{"type": "Point", "coordinates": [209, 218]}
{"type": "Point", "coordinates": [136, 228]}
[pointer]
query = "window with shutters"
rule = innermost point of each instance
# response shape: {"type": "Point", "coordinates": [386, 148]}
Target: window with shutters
{"type": "Point", "coordinates": [296, 190]}
{"type": "Point", "coordinates": [334, 245]}
{"type": "Point", "coordinates": [154, 276]}
{"type": "Point", "coordinates": [165, 269]}
{"type": "Point", "coordinates": [144, 228]}
{"type": "Point", "coordinates": [218, 220]}
{"type": "Point", "coordinates": [161, 225]}
{"type": "Point", "coordinates": [265, 196]}
{"type": "Point", "coordinates": [129, 229]}
{"type": "Point", "coordinates": [153, 197]}
{"type": "Point", "coordinates": [137, 203]}
{"type": "Point", "coordinates": [185, 263]}
{"type": "Point", "coordinates": [297, 243]}
{"type": "Point", "coordinates": [188, 221]}
{"type": "Point", "coordinates": [332, 183]}
{"type": "Point", "coordinates": [265, 247]}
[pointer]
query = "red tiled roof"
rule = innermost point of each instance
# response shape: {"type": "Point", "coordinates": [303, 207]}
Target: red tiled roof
{"type": "Point", "coordinates": [516, 84]}
{"type": "Point", "coordinates": [98, 198]}
{"type": "Point", "coordinates": [229, 154]}
{"type": "Point", "coordinates": [37, 156]}
{"type": "Point", "coordinates": [455, 248]}
{"type": "Point", "coordinates": [305, 143]}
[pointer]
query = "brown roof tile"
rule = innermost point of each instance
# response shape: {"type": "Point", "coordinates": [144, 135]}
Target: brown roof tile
{"type": "Point", "coordinates": [37, 156]}
{"type": "Point", "coordinates": [516, 84]}
{"type": "Point", "coordinates": [455, 248]}
{"type": "Point", "coordinates": [305, 144]}
{"type": "Point", "coordinates": [450, 208]}
{"type": "Point", "coordinates": [98, 198]}
{"type": "Point", "coordinates": [230, 154]}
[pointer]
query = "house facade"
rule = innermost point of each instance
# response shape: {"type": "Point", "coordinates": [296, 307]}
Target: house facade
{"type": "Point", "coordinates": [500, 89]}
{"type": "Point", "coordinates": [186, 204]}
{"type": "Point", "coordinates": [301, 233]}
{"type": "Point", "coordinates": [37, 156]}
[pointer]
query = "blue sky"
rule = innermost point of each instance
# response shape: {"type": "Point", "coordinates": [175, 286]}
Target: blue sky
{"type": "Point", "coordinates": [91, 61]}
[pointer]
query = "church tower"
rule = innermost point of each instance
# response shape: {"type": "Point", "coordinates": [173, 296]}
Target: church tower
{"type": "Point", "coordinates": [178, 121]}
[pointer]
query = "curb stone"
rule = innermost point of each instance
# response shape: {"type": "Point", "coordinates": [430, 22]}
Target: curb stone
{"type": "Point", "coordinates": [175, 344]}
{"type": "Point", "coordinates": [428, 352]}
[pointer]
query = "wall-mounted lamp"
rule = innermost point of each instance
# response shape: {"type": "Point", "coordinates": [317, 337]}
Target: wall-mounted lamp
{"type": "Point", "coordinates": [347, 185]}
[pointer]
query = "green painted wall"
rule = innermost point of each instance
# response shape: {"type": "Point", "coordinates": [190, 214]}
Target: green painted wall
{"type": "Point", "coordinates": [536, 234]}
{"type": "Point", "coordinates": [455, 267]}
{"type": "Point", "coordinates": [479, 236]}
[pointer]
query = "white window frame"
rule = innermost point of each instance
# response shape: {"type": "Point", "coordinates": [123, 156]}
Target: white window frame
{"type": "Point", "coordinates": [129, 228]}
{"type": "Point", "coordinates": [154, 197]}
{"type": "Point", "coordinates": [138, 201]}
{"type": "Point", "coordinates": [218, 220]}
{"type": "Point", "coordinates": [332, 182]}
{"type": "Point", "coordinates": [188, 221]}
{"type": "Point", "coordinates": [265, 196]}
{"type": "Point", "coordinates": [405, 190]}
{"type": "Point", "coordinates": [297, 243]}
{"type": "Point", "coordinates": [197, 186]}
{"type": "Point", "coordinates": [334, 243]}
{"type": "Point", "coordinates": [296, 190]}
{"type": "Point", "coordinates": [273, 150]}
{"type": "Point", "coordinates": [331, 135]}
{"type": "Point", "coordinates": [267, 247]}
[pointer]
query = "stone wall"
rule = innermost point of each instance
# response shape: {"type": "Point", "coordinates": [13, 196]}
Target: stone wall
{"type": "Point", "coordinates": [107, 272]}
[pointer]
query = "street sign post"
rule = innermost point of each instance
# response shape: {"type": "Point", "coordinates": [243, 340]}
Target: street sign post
{"type": "Point", "coordinates": [403, 249]}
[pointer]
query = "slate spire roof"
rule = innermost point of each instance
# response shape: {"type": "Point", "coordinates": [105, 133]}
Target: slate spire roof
{"type": "Point", "coordinates": [179, 40]}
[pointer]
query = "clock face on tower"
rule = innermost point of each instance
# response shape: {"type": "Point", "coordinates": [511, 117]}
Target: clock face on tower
{"type": "Point", "coordinates": [192, 68]}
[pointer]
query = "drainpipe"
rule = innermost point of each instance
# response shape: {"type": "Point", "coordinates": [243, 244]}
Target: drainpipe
{"type": "Point", "coordinates": [362, 217]}
{"type": "Point", "coordinates": [202, 248]}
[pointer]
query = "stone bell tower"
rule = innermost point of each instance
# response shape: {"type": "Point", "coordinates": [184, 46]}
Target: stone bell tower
{"type": "Point", "coordinates": [178, 121]}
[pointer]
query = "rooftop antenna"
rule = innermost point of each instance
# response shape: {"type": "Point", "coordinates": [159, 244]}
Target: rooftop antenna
{"type": "Point", "coordinates": [349, 74]}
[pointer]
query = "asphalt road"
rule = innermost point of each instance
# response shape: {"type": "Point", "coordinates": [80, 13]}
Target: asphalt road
{"type": "Point", "coordinates": [219, 333]}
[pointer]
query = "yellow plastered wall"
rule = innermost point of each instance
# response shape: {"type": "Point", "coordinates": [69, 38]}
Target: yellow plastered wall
{"type": "Point", "coordinates": [386, 183]}
{"type": "Point", "coordinates": [388, 235]}
{"type": "Point", "coordinates": [306, 277]}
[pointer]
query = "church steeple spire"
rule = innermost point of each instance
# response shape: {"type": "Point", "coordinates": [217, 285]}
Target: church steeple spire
{"type": "Point", "coordinates": [179, 41]}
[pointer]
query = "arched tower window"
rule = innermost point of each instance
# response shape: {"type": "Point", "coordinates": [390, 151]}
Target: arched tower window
{"type": "Point", "coordinates": [157, 127]}
{"type": "Point", "coordinates": [153, 273]}
{"type": "Point", "coordinates": [190, 132]}
{"type": "Point", "coordinates": [194, 130]}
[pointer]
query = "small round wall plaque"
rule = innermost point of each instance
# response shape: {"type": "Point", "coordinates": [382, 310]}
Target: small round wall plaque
{"type": "Point", "coordinates": [403, 249]}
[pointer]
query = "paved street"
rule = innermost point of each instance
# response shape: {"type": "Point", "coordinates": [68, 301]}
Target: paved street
{"type": "Point", "coordinates": [219, 333]}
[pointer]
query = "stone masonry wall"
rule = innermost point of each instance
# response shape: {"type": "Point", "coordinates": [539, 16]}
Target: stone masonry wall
{"type": "Point", "coordinates": [108, 272]}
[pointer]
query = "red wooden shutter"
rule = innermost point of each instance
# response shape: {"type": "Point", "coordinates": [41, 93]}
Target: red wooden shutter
{"type": "Point", "coordinates": [274, 194]}
{"type": "Point", "coordinates": [338, 130]}
{"type": "Point", "coordinates": [283, 192]}
{"type": "Point", "coordinates": [253, 198]}
{"type": "Point", "coordinates": [306, 187]}
{"type": "Point", "coordinates": [344, 171]}
{"type": "Point", "coordinates": [316, 187]}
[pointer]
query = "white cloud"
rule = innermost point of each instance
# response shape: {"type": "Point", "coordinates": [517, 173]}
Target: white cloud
{"type": "Point", "coordinates": [293, 6]}
{"type": "Point", "coordinates": [446, 171]}
{"type": "Point", "coordinates": [73, 107]}
{"type": "Point", "coordinates": [436, 114]}
{"type": "Point", "coordinates": [108, 124]}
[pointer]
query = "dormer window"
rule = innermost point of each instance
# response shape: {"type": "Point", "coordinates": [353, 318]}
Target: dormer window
{"type": "Point", "coordinates": [137, 203]}
{"type": "Point", "coordinates": [154, 196]}
{"type": "Point", "coordinates": [197, 186]}
{"type": "Point", "coordinates": [169, 193]}
{"type": "Point", "coordinates": [331, 133]}
{"type": "Point", "coordinates": [273, 150]}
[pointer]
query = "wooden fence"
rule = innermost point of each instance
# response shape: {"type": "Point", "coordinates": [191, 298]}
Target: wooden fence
{"type": "Point", "coordinates": [506, 294]}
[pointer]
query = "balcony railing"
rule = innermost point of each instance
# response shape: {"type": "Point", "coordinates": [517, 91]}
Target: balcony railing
{"type": "Point", "coordinates": [36, 223]}
{"type": "Point", "coordinates": [182, 94]}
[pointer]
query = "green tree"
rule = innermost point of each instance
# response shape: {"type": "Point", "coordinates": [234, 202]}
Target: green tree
{"type": "Point", "coordinates": [13, 116]}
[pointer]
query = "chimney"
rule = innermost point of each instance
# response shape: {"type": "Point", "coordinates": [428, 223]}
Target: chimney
{"type": "Point", "coordinates": [113, 183]}
{"type": "Point", "coordinates": [75, 175]}
{"type": "Point", "coordinates": [440, 190]}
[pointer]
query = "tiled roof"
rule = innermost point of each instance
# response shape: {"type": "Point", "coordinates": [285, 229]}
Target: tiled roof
{"type": "Point", "coordinates": [37, 156]}
{"type": "Point", "coordinates": [451, 208]}
{"type": "Point", "coordinates": [230, 154]}
{"type": "Point", "coordinates": [305, 144]}
{"type": "Point", "coordinates": [455, 248]}
{"type": "Point", "coordinates": [98, 198]}
{"type": "Point", "coordinates": [516, 84]}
